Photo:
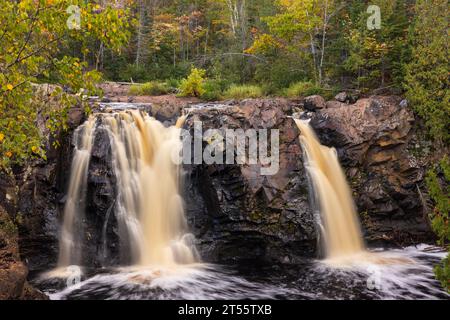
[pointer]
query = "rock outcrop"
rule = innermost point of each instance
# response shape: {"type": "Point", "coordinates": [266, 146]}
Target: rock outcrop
{"type": "Point", "coordinates": [13, 272]}
{"type": "Point", "coordinates": [313, 103]}
{"type": "Point", "coordinates": [238, 214]}
{"type": "Point", "coordinates": [235, 213]}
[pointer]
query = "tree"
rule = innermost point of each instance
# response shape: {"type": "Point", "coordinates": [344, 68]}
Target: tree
{"type": "Point", "coordinates": [373, 58]}
{"type": "Point", "coordinates": [302, 26]}
{"type": "Point", "coordinates": [33, 34]}
{"type": "Point", "coordinates": [427, 76]}
{"type": "Point", "coordinates": [438, 180]}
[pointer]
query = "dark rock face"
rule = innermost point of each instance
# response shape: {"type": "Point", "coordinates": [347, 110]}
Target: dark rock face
{"type": "Point", "coordinates": [101, 243]}
{"type": "Point", "coordinates": [236, 213]}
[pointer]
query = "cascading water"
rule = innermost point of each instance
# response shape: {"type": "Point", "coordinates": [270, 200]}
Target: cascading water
{"type": "Point", "coordinates": [342, 232]}
{"type": "Point", "coordinates": [342, 237]}
{"type": "Point", "coordinates": [69, 243]}
{"type": "Point", "coordinates": [148, 207]}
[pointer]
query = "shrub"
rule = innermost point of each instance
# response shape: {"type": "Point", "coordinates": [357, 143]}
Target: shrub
{"type": "Point", "coordinates": [269, 89]}
{"type": "Point", "coordinates": [303, 89]}
{"type": "Point", "coordinates": [243, 92]}
{"type": "Point", "coordinates": [152, 88]}
{"type": "Point", "coordinates": [214, 89]}
{"type": "Point", "coordinates": [193, 85]}
{"type": "Point", "coordinates": [438, 180]}
{"type": "Point", "coordinates": [173, 84]}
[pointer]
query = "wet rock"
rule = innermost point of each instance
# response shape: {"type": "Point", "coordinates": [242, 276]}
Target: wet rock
{"type": "Point", "coordinates": [238, 214]}
{"type": "Point", "coordinates": [101, 241]}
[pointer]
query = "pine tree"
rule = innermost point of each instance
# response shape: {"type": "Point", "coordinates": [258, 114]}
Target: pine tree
{"type": "Point", "coordinates": [427, 82]}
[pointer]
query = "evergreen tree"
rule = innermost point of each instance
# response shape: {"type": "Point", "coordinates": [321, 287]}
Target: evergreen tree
{"type": "Point", "coordinates": [427, 82]}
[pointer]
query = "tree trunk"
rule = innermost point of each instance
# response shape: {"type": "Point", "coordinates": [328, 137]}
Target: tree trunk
{"type": "Point", "coordinates": [324, 36]}
{"type": "Point", "coordinates": [141, 8]}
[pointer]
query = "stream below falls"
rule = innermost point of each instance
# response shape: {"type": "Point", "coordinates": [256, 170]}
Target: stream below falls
{"type": "Point", "coordinates": [311, 279]}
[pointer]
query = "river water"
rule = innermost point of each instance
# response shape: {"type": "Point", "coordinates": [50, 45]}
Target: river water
{"type": "Point", "coordinates": [310, 280]}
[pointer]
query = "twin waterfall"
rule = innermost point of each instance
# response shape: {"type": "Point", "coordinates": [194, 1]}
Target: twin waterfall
{"type": "Point", "coordinates": [148, 206]}
{"type": "Point", "coordinates": [341, 230]}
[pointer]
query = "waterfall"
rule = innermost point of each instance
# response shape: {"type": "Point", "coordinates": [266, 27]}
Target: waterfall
{"type": "Point", "coordinates": [149, 208]}
{"type": "Point", "coordinates": [69, 243]}
{"type": "Point", "coordinates": [342, 236]}
{"type": "Point", "coordinates": [145, 158]}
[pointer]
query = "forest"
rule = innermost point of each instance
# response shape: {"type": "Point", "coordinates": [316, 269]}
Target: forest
{"type": "Point", "coordinates": [231, 50]}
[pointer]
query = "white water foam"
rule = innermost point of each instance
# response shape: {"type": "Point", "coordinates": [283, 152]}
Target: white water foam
{"type": "Point", "coordinates": [188, 283]}
{"type": "Point", "coordinates": [403, 274]}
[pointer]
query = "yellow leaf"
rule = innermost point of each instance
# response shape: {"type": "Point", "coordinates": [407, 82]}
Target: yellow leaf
{"type": "Point", "coordinates": [2, 136]}
{"type": "Point", "coordinates": [34, 149]}
{"type": "Point", "coordinates": [9, 86]}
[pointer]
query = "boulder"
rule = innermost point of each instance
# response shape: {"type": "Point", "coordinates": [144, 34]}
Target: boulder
{"type": "Point", "coordinates": [346, 97]}
{"type": "Point", "coordinates": [313, 103]}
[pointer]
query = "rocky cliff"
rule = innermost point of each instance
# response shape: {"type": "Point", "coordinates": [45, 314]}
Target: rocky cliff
{"type": "Point", "coordinates": [235, 213]}
{"type": "Point", "coordinates": [385, 161]}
